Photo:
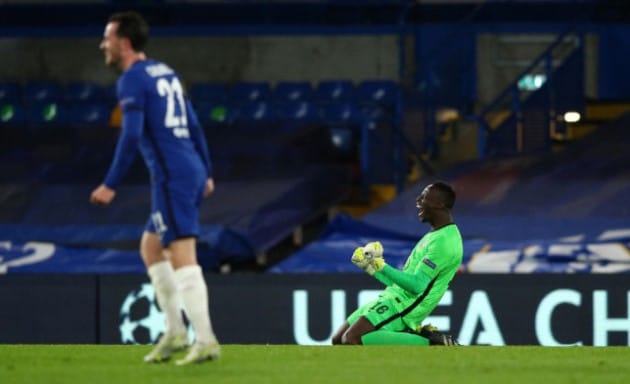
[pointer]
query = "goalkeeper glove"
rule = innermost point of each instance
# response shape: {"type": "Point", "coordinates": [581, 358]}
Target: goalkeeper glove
{"type": "Point", "coordinates": [359, 259]}
{"type": "Point", "coordinates": [373, 250]}
{"type": "Point", "coordinates": [369, 258]}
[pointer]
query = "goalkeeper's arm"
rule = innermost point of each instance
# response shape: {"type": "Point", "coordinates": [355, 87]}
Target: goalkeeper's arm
{"type": "Point", "coordinates": [412, 283]}
{"type": "Point", "coordinates": [383, 279]}
{"type": "Point", "coordinates": [370, 259]}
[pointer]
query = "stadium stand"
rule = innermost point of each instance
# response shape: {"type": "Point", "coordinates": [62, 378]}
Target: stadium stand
{"type": "Point", "coordinates": [562, 212]}
{"type": "Point", "coordinates": [278, 150]}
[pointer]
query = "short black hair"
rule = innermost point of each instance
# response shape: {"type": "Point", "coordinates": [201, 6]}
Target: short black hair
{"type": "Point", "coordinates": [132, 26]}
{"type": "Point", "coordinates": [447, 192]}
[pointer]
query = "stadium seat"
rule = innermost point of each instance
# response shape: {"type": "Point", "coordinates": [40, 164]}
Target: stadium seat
{"type": "Point", "coordinates": [246, 92]}
{"type": "Point", "coordinates": [344, 113]}
{"type": "Point", "coordinates": [42, 92]}
{"type": "Point", "coordinates": [208, 93]}
{"type": "Point", "coordinates": [88, 115]}
{"type": "Point", "coordinates": [83, 92]}
{"type": "Point", "coordinates": [255, 111]}
{"type": "Point", "coordinates": [301, 111]}
{"type": "Point", "coordinates": [293, 91]}
{"type": "Point", "coordinates": [381, 92]}
{"type": "Point", "coordinates": [45, 115]}
{"type": "Point", "coordinates": [328, 91]}
{"type": "Point", "coordinates": [10, 93]}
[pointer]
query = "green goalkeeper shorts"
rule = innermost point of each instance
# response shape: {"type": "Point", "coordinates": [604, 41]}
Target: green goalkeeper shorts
{"type": "Point", "coordinates": [382, 313]}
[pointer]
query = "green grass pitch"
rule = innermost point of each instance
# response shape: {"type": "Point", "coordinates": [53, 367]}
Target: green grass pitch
{"type": "Point", "coordinates": [113, 364]}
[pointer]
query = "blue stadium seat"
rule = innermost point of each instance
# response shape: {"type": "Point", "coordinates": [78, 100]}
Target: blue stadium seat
{"type": "Point", "coordinates": [246, 91]}
{"type": "Point", "coordinates": [83, 92]}
{"type": "Point", "coordinates": [45, 115]}
{"type": "Point", "coordinates": [88, 115]}
{"type": "Point", "coordinates": [328, 91]}
{"type": "Point", "coordinates": [10, 92]}
{"type": "Point", "coordinates": [286, 91]}
{"type": "Point", "coordinates": [344, 113]}
{"type": "Point", "coordinates": [42, 92]}
{"type": "Point", "coordinates": [381, 92]}
{"type": "Point", "coordinates": [300, 111]}
{"type": "Point", "coordinates": [255, 111]}
{"type": "Point", "coordinates": [208, 93]}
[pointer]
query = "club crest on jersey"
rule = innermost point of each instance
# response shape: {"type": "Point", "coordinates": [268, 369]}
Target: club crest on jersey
{"type": "Point", "coordinates": [429, 263]}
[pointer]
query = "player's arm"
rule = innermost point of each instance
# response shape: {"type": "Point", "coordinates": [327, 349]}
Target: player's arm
{"type": "Point", "coordinates": [426, 270]}
{"type": "Point", "coordinates": [127, 146]}
{"type": "Point", "coordinates": [383, 279]}
{"type": "Point", "coordinates": [131, 100]}
{"type": "Point", "coordinates": [198, 138]}
{"type": "Point", "coordinates": [414, 283]}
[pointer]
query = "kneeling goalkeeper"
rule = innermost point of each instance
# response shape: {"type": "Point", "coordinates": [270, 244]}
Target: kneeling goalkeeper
{"type": "Point", "coordinates": [395, 318]}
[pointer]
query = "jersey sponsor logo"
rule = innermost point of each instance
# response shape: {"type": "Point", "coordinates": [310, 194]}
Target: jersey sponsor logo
{"type": "Point", "coordinates": [429, 263]}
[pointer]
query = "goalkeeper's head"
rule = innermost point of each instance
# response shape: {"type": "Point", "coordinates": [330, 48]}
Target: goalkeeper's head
{"type": "Point", "coordinates": [435, 204]}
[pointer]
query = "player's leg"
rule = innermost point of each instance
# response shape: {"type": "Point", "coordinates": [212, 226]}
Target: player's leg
{"type": "Point", "coordinates": [194, 293]}
{"type": "Point", "coordinates": [182, 228]}
{"type": "Point", "coordinates": [337, 337]}
{"type": "Point", "coordinates": [379, 323]}
{"type": "Point", "coordinates": [356, 331]}
{"type": "Point", "coordinates": [162, 278]}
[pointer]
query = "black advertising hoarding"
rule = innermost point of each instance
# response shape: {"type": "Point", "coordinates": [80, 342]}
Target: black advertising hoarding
{"type": "Point", "coordinates": [496, 309]}
{"type": "Point", "coordinates": [48, 309]}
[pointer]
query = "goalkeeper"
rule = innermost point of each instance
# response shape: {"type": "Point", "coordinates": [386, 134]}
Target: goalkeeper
{"type": "Point", "coordinates": [396, 317]}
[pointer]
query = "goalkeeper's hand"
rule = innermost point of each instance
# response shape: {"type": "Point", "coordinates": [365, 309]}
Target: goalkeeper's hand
{"type": "Point", "coordinates": [369, 258]}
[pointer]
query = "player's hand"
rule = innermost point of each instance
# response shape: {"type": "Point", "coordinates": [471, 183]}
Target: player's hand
{"type": "Point", "coordinates": [373, 250]}
{"type": "Point", "coordinates": [374, 253]}
{"type": "Point", "coordinates": [369, 258]}
{"type": "Point", "coordinates": [359, 259]}
{"type": "Point", "coordinates": [102, 195]}
{"type": "Point", "coordinates": [209, 187]}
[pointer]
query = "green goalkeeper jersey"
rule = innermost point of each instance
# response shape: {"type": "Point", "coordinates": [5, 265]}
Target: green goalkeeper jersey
{"type": "Point", "coordinates": [432, 264]}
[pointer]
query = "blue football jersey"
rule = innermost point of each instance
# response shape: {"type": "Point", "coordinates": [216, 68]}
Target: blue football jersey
{"type": "Point", "coordinates": [159, 121]}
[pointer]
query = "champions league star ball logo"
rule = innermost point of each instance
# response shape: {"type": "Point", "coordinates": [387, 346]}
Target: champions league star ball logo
{"type": "Point", "coordinates": [141, 321]}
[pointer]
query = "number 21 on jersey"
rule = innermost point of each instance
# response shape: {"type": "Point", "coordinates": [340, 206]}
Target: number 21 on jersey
{"type": "Point", "coordinates": [174, 94]}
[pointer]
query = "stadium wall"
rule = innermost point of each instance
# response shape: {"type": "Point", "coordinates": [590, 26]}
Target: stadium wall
{"type": "Point", "coordinates": [210, 58]}
{"type": "Point", "coordinates": [551, 310]}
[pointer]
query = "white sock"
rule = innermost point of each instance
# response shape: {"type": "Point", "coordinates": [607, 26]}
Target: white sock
{"type": "Point", "coordinates": [194, 293]}
{"type": "Point", "coordinates": [162, 277]}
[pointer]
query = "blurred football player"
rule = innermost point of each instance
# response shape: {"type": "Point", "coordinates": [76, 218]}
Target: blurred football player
{"type": "Point", "coordinates": [159, 122]}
